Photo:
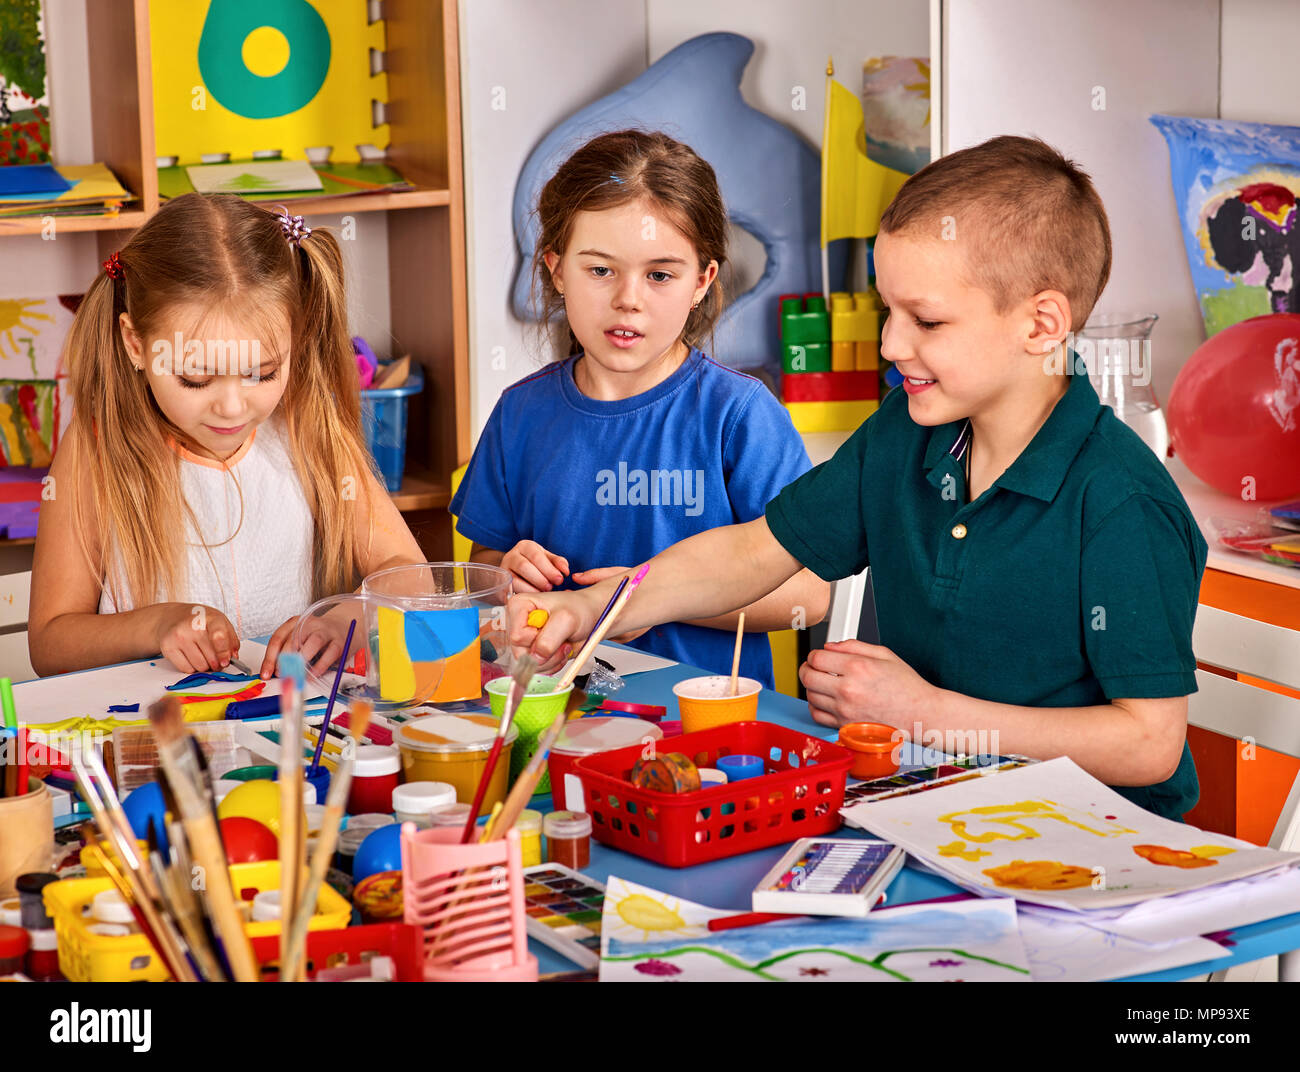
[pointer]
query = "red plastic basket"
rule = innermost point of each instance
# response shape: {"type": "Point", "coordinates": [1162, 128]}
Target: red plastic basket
{"type": "Point", "coordinates": [351, 945]}
{"type": "Point", "coordinates": [799, 796]}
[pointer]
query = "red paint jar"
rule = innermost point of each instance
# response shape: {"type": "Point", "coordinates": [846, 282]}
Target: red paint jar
{"type": "Point", "coordinates": [13, 946]}
{"type": "Point", "coordinates": [376, 772]}
{"type": "Point", "coordinates": [43, 957]}
{"type": "Point", "coordinates": [568, 838]}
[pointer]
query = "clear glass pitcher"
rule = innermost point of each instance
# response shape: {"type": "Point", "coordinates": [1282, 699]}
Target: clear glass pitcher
{"type": "Point", "coordinates": [1116, 349]}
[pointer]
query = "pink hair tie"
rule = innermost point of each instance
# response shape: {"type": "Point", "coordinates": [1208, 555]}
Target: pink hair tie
{"type": "Point", "coordinates": [294, 227]}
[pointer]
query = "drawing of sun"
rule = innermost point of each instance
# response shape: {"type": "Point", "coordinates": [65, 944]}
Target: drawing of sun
{"type": "Point", "coordinates": [640, 917]}
{"type": "Point", "coordinates": [21, 315]}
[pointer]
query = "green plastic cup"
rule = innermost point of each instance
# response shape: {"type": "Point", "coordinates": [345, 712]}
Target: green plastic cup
{"type": "Point", "coordinates": [537, 710]}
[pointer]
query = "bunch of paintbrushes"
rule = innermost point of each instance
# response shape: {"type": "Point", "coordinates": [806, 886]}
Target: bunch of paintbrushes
{"type": "Point", "coordinates": [504, 816]}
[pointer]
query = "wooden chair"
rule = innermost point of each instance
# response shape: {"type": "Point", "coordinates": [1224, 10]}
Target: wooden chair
{"type": "Point", "coordinates": [1267, 719]}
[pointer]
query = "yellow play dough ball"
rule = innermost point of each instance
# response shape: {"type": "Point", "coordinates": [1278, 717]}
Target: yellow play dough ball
{"type": "Point", "coordinates": [258, 800]}
{"type": "Point", "coordinates": [537, 618]}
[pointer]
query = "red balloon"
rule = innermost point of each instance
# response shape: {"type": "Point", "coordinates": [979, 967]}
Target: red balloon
{"type": "Point", "coordinates": [1234, 410]}
{"type": "Point", "coordinates": [248, 841]}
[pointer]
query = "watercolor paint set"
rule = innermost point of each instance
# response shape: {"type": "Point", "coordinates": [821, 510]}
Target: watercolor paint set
{"type": "Point", "coordinates": [563, 909]}
{"type": "Point", "coordinates": [923, 779]}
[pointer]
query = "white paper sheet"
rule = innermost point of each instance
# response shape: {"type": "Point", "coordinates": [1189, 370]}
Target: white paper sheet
{"type": "Point", "coordinates": [649, 936]}
{"type": "Point", "coordinates": [92, 692]}
{"type": "Point", "coordinates": [1061, 949]}
{"type": "Point", "coordinates": [1052, 834]}
{"type": "Point", "coordinates": [256, 177]}
{"type": "Point", "coordinates": [625, 661]}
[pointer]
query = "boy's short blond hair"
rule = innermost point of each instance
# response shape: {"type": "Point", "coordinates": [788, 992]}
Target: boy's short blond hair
{"type": "Point", "coordinates": [1026, 218]}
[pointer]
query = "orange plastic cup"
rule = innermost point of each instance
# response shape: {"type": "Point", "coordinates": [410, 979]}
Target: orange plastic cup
{"type": "Point", "coordinates": [876, 748]}
{"type": "Point", "coordinates": [704, 701]}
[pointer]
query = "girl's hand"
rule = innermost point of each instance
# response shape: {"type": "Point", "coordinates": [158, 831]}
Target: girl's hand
{"type": "Point", "coordinates": [850, 681]}
{"type": "Point", "coordinates": [322, 643]}
{"type": "Point", "coordinates": [595, 576]}
{"type": "Point", "coordinates": [195, 638]}
{"type": "Point", "coordinates": [535, 568]}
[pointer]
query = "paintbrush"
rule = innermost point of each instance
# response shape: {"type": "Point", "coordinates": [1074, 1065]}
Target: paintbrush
{"type": "Point", "coordinates": [135, 884]}
{"type": "Point", "coordinates": [335, 801]}
{"type": "Point", "coordinates": [520, 676]}
{"type": "Point", "coordinates": [527, 780]}
{"type": "Point", "coordinates": [329, 708]}
{"type": "Point", "coordinates": [604, 626]}
{"type": "Point", "coordinates": [200, 957]}
{"type": "Point", "coordinates": [202, 835]}
{"type": "Point", "coordinates": [293, 672]}
{"type": "Point", "coordinates": [735, 658]}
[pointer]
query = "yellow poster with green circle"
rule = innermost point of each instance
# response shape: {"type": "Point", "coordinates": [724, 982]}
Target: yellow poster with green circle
{"type": "Point", "coordinates": [246, 76]}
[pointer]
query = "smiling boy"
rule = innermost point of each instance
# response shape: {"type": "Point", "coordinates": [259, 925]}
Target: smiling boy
{"type": "Point", "coordinates": [1035, 568]}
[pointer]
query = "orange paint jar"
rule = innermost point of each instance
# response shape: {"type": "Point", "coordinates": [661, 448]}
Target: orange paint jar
{"type": "Point", "coordinates": [876, 748]}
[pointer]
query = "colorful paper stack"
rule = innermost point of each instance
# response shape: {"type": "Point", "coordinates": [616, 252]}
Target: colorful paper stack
{"type": "Point", "coordinates": [830, 360]}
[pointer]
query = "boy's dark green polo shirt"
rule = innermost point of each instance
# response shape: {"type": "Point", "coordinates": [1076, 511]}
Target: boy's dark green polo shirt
{"type": "Point", "coordinates": [1070, 582]}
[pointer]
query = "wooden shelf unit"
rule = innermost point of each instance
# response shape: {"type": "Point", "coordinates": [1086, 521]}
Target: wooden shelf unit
{"type": "Point", "coordinates": [426, 226]}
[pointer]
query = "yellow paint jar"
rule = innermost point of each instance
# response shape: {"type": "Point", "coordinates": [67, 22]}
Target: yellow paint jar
{"type": "Point", "coordinates": [454, 749]}
{"type": "Point", "coordinates": [529, 825]}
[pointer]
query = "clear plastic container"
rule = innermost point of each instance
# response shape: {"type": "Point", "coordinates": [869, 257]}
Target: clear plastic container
{"type": "Point", "coordinates": [449, 815]}
{"type": "Point", "coordinates": [568, 838]}
{"type": "Point", "coordinates": [414, 801]}
{"type": "Point", "coordinates": [352, 835]}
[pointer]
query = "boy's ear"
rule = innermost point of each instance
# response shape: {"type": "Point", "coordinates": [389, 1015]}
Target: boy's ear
{"type": "Point", "coordinates": [1050, 321]}
{"type": "Point", "coordinates": [134, 348]}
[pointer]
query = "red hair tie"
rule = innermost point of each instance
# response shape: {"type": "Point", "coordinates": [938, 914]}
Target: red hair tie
{"type": "Point", "coordinates": [113, 266]}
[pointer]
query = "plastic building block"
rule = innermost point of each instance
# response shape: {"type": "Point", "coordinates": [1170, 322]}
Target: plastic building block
{"type": "Point", "coordinates": [830, 416]}
{"type": "Point", "coordinates": [830, 386]}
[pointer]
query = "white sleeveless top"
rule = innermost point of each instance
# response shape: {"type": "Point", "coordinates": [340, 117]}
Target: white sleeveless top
{"type": "Point", "coordinates": [262, 576]}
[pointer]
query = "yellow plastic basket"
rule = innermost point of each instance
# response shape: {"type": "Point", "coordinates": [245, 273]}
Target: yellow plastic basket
{"type": "Point", "coordinates": [95, 958]}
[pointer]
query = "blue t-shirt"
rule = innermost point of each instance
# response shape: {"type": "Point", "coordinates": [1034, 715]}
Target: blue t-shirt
{"type": "Point", "coordinates": [615, 483]}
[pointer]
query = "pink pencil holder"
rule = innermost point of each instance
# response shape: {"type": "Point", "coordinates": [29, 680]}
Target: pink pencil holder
{"type": "Point", "coordinates": [469, 902]}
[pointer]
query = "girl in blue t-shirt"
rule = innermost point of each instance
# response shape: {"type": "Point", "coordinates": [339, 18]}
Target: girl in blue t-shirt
{"type": "Point", "coordinates": [637, 439]}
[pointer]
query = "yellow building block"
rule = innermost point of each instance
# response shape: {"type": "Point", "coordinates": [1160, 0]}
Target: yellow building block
{"type": "Point", "coordinates": [855, 317]}
{"type": "Point", "coordinates": [866, 355]}
{"type": "Point", "coordinates": [844, 356]}
{"type": "Point", "coordinates": [830, 416]}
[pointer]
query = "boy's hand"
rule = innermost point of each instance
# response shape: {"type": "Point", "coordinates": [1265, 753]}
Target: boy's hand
{"type": "Point", "coordinates": [850, 681]}
{"type": "Point", "coordinates": [535, 568]}
{"type": "Point", "coordinates": [195, 638]}
{"type": "Point", "coordinates": [570, 618]}
{"type": "Point", "coordinates": [595, 576]}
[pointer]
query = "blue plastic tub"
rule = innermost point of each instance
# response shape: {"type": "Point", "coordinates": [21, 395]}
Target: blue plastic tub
{"type": "Point", "coordinates": [383, 419]}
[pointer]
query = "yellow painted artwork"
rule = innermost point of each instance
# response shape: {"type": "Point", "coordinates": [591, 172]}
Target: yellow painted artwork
{"type": "Point", "coordinates": [238, 77]}
{"type": "Point", "coordinates": [1040, 875]}
{"type": "Point", "coordinates": [960, 850]}
{"type": "Point", "coordinates": [1198, 856]}
{"type": "Point", "coordinates": [1024, 819]}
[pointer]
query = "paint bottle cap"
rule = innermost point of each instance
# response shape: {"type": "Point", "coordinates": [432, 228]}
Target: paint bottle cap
{"type": "Point", "coordinates": [566, 825]}
{"type": "Point", "coordinates": [266, 906]}
{"type": "Point", "coordinates": [529, 822]}
{"type": "Point", "coordinates": [13, 942]}
{"type": "Point", "coordinates": [448, 734]}
{"type": "Point", "coordinates": [376, 760]}
{"type": "Point", "coordinates": [738, 768]}
{"type": "Point", "coordinates": [359, 826]}
{"type": "Point", "coordinates": [43, 940]}
{"type": "Point", "coordinates": [420, 798]}
{"type": "Point", "coordinates": [711, 776]}
{"type": "Point", "coordinates": [604, 733]}
{"type": "Point", "coordinates": [109, 906]}
{"type": "Point", "coordinates": [109, 930]}
{"type": "Point", "coordinates": [11, 912]}
{"type": "Point", "coordinates": [449, 815]}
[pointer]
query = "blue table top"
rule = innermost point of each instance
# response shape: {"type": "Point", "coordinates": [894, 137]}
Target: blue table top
{"type": "Point", "coordinates": [728, 883]}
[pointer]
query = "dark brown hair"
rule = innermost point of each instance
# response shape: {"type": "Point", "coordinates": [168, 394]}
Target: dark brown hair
{"type": "Point", "coordinates": [223, 255]}
{"type": "Point", "coordinates": [1027, 220]}
{"type": "Point", "coordinates": [614, 169]}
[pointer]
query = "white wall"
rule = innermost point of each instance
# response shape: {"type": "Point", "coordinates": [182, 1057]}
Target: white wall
{"type": "Point", "coordinates": [1259, 77]}
{"type": "Point", "coordinates": [1032, 67]}
{"type": "Point", "coordinates": [557, 57]}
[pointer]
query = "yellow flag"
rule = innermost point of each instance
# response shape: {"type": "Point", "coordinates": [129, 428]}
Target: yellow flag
{"type": "Point", "coordinates": [855, 189]}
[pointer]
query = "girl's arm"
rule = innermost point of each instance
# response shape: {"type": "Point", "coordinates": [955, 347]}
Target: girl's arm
{"type": "Point", "coordinates": [65, 630]}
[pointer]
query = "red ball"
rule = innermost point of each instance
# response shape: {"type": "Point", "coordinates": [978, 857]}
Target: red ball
{"type": "Point", "coordinates": [1234, 410]}
{"type": "Point", "coordinates": [248, 841]}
